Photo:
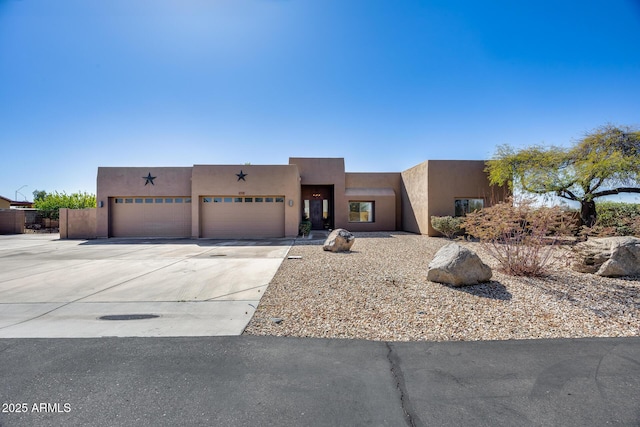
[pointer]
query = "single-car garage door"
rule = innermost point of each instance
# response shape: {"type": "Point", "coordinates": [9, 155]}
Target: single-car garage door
{"type": "Point", "coordinates": [225, 217]}
{"type": "Point", "coordinates": [150, 216]}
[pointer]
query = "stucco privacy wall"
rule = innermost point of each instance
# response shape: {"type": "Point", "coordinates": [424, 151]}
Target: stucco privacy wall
{"type": "Point", "coordinates": [384, 189]}
{"type": "Point", "coordinates": [129, 181]}
{"type": "Point", "coordinates": [415, 203]}
{"type": "Point", "coordinates": [78, 223]}
{"type": "Point", "coordinates": [260, 180]}
{"type": "Point", "coordinates": [11, 221]}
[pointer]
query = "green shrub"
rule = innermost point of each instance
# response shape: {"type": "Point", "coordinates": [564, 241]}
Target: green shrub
{"type": "Point", "coordinates": [304, 228]}
{"type": "Point", "coordinates": [617, 219]}
{"type": "Point", "coordinates": [447, 225]}
{"type": "Point", "coordinates": [49, 205]}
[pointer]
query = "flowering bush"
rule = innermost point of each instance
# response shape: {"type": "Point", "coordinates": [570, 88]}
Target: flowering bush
{"type": "Point", "coordinates": [520, 236]}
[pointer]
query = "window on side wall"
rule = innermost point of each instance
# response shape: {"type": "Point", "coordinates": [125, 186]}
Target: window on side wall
{"type": "Point", "coordinates": [465, 206]}
{"type": "Point", "coordinates": [361, 211]}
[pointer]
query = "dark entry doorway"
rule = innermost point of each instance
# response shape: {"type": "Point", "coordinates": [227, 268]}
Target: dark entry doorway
{"type": "Point", "coordinates": [315, 214]}
{"type": "Point", "coordinates": [317, 205]}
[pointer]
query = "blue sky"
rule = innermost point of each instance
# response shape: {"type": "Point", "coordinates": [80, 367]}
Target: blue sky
{"type": "Point", "coordinates": [384, 84]}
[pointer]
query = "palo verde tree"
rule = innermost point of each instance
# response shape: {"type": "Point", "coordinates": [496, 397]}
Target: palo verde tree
{"type": "Point", "coordinates": [604, 162]}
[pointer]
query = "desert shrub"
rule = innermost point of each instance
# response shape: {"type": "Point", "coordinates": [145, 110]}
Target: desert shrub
{"type": "Point", "coordinates": [447, 225]}
{"type": "Point", "coordinates": [520, 236]}
{"type": "Point", "coordinates": [616, 219]}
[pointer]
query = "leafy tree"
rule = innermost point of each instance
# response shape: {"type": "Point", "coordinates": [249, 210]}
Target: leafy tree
{"type": "Point", "coordinates": [39, 195]}
{"type": "Point", "coordinates": [605, 162]}
{"type": "Point", "coordinates": [50, 205]}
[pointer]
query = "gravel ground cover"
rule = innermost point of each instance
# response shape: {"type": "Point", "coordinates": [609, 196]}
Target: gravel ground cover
{"type": "Point", "coordinates": [379, 291]}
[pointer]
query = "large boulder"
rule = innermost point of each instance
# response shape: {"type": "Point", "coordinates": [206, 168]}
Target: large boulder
{"type": "Point", "coordinates": [608, 256]}
{"type": "Point", "coordinates": [339, 240]}
{"type": "Point", "coordinates": [458, 266]}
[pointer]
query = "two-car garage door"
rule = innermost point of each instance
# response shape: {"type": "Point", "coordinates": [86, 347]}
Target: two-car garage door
{"type": "Point", "coordinates": [237, 217]}
{"type": "Point", "coordinates": [221, 217]}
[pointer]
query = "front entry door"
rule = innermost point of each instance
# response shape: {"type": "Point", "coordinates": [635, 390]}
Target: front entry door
{"type": "Point", "coordinates": [315, 214]}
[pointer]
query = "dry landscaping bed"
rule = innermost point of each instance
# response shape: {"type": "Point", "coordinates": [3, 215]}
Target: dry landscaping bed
{"type": "Point", "coordinates": [379, 291]}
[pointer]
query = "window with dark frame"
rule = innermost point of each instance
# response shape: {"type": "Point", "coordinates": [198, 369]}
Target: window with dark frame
{"type": "Point", "coordinates": [465, 206]}
{"type": "Point", "coordinates": [361, 211]}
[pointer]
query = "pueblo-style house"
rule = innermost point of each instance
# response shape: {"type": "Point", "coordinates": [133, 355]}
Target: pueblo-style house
{"type": "Point", "coordinates": [264, 201]}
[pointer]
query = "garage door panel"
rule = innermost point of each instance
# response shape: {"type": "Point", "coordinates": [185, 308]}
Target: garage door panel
{"type": "Point", "coordinates": [235, 219]}
{"type": "Point", "coordinates": [145, 217]}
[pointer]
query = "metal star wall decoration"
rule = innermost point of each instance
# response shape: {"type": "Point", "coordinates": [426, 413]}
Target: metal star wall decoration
{"type": "Point", "coordinates": [241, 175]}
{"type": "Point", "coordinates": [149, 179]}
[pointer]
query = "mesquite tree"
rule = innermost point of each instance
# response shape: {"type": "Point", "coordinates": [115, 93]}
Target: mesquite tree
{"type": "Point", "coordinates": [604, 162]}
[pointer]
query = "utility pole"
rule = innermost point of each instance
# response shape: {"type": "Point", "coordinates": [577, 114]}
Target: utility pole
{"type": "Point", "coordinates": [18, 192]}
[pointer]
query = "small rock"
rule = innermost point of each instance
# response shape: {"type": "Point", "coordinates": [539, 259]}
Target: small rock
{"type": "Point", "coordinates": [339, 240]}
{"type": "Point", "coordinates": [276, 320]}
{"type": "Point", "coordinates": [458, 266]}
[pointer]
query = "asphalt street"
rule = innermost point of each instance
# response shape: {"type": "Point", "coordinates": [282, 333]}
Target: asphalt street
{"type": "Point", "coordinates": [271, 381]}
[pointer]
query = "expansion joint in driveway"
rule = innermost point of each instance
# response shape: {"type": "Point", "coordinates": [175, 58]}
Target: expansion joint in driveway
{"type": "Point", "coordinates": [410, 415]}
{"type": "Point", "coordinates": [100, 291]}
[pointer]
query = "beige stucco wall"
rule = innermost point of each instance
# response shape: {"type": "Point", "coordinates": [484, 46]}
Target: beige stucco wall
{"type": "Point", "coordinates": [11, 221]}
{"type": "Point", "coordinates": [260, 180]}
{"type": "Point", "coordinates": [458, 179]}
{"type": "Point", "coordinates": [331, 171]}
{"type": "Point", "coordinates": [326, 171]}
{"type": "Point", "coordinates": [4, 203]}
{"type": "Point", "coordinates": [432, 187]}
{"type": "Point", "coordinates": [388, 210]}
{"type": "Point", "coordinates": [320, 171]}
{"type": "Point", "coordinates": [78, 223]}
{"type": "Point", "coordinates": [384, 210]}
{"type": "Point", "coordinates": [129, 181]}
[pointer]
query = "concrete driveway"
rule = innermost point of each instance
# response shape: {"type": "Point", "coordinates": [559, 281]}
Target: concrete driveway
{"type": "Point", "coordinates": [53, 288]}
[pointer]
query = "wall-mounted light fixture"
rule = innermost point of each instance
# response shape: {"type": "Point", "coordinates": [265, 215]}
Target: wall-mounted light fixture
{"type": "Point", "coordinates": [100, 204]}
{"type": "Point", "coordinates": [291, 202]}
